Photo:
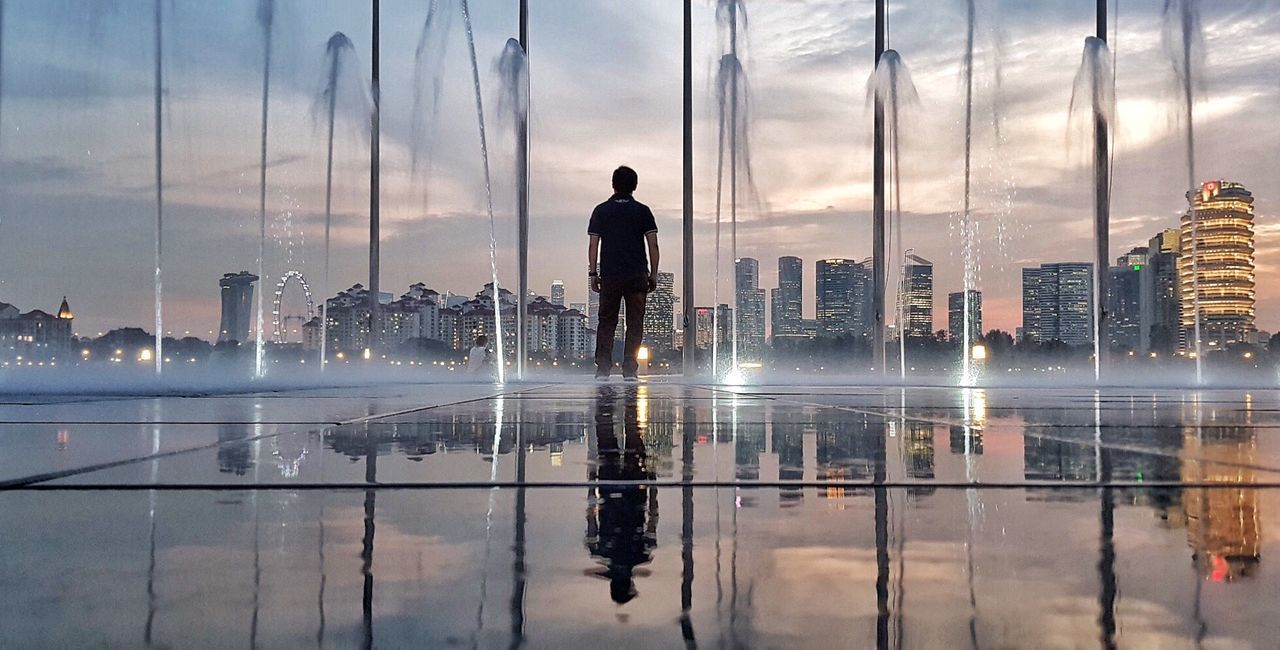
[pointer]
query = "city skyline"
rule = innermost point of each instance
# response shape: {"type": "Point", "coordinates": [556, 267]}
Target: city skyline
{"type": "Point", "coordinates": [813, 173]}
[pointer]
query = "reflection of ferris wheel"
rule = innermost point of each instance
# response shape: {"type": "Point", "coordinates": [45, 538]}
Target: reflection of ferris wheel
{"type": "Point", "coordinates": [277, 321]}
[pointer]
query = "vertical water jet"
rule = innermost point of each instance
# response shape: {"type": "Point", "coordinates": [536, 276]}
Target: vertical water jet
{"type": "Point", "coordinates": [877, 207]}
{"type": "Point", "coordinates": [513, 69]}
{"type": "Point", "coordinates": [266, 20]}
{"type": "Point", "coordinates": [1184, 42]}
{"type": "Point", "coordinates": [338, 47]}
{"type": "Point", "coordinates": [159, 161]}
{"type": "Point", "coordinates": [488, 191]}
{"type": "Point", "coordinates": [375, 184]}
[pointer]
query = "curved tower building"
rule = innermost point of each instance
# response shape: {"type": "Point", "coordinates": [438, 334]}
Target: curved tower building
{"type": "Point", "coordinates": [1223, 247]}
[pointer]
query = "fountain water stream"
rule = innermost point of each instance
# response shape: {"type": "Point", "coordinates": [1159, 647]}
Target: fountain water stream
{"type": "Point", "coordinates": [1094, 97]}
{"type": "Point", "coordinates": [159, 160]}
{"type": "Point", "coordinates": [1184, 42]}
{"type": "Point", "coordinates": [891, 89]}
{"type": "Point", "coordinates": [338, 49]}
{"type": "Point", "coordinates": [266, 20]}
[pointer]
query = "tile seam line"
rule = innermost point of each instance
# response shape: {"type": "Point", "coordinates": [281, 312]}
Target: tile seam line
{"type": "Point", "coordinates": [848, 409]}
{"type": "Point", "coordinates": [765, 485]}
{"type": "Point", "coordinates": [50, 476]}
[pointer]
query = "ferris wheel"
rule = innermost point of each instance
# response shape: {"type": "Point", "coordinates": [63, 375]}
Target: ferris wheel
{"type": "Point", "coordinates": [279, 322]}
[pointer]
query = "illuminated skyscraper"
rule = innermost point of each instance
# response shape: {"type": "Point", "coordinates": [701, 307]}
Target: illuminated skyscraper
{"type": "Point", "coordinates": [788, 306]}
{"type": "Point", "coordinates": [1057, 303]}
{"type": "Point", "coordinates": [557, 292]}
{"type": "Point", "coordinates": [1160, 320]}
{"type": "Point", "coordinates": [659, 313]}
{"type": "Point", "coordinates": [750, 307]}
{"type": "Point", "coordinates": [917, 296]}
{"type": "Point", "coordinates": [955, 315]}
{"type": "Point", "coordinates": [840, 286]}
{"type": "Point", "coordinates": [1221, 214]}
{"type": "Point", "coordinates": [1124, 299]}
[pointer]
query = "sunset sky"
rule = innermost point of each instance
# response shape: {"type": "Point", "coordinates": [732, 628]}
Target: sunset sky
{"type": "Point", "coordinates": [77, 166]}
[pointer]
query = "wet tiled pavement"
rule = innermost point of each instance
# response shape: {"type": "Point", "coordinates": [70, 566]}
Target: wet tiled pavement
{"type": "Point", "coordinates": [655, 515]}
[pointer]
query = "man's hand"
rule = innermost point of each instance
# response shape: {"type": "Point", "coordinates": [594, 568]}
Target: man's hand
{"type": "Point", "coordinates": [595, 283]}
{"type": "Point", "coordinates": [653, 284]}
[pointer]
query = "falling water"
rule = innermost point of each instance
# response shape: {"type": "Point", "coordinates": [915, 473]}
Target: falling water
{"type": "Point", "coordinates": [488, 191]}
{"type": "Point", "coordinates": [266, 18]}
{"type": "Point", "coordinates": [428, 68]}
{"type": "Point", "coordinates": [1184, 41]}
{"type": "Point", "coordinates": [338, 47]}
{"type": "Point", "coordinates": [1094, 97]}
{"type": "Point", "coordinates": [966, 215]}
{"type": "Point", "coordinates": [733, 100]}
{"type": "Point", "coordinates": [513, 70]}
{"type": "Point", "coordinates": [159, 156]}
{"type": "Point", "coordinates": [891, 88]}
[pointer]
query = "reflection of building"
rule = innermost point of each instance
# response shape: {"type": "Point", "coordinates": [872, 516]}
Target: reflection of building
{"type": "Point", "coordinates": [1223, 524]}
{"type": "Point", "coordinates": [237, 306]}
{"type": "Point", "coordinates": [1221, 214]}
{"type": "Point", "coordinates": [1160, 318]}
{"type": "Point", "coordinates": [35, 337]}
{"type": "Point", "coordinates": [659, 313]}
{"type": "Point", "coordinates": [917, 296]}
{"type": "Point", "coordinates": [955, 315]}
{"type": "Point", "coordinates": [1124, 299]}
{"type": "Point", "coordinates": [1057, 303]}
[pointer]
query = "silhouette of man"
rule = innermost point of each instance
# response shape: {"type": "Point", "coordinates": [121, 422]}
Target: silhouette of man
{"type": "Point", "coordinates": [619, 231]}
{"type": "Point", "coordinates": [622, 521]}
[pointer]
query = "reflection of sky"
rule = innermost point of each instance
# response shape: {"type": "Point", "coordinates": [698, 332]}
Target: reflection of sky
{"type": "Point", "coordinates": [75, 143]}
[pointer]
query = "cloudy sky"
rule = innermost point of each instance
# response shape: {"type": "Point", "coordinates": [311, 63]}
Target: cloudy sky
{"type": "Point", "coordinates": [77, 167]}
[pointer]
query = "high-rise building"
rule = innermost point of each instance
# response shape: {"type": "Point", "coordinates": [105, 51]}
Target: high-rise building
{"type": "Point", "coordinates": [840, 286]}
{"type": "Point", "coordinates": [593, 308]}
{"type": "Point", "coordinates": [1057, 303]}
{"type": "Point", "coordinates": [788, 306]}
{"type": "Point", "coordinates": [557, 293]}
{"type": "Point", "coordinates": [1124, 300]}
{"type": "Point", "coordinates": [580, 307]}
{"type": "Point", "coordinates": [955, 315]}
{"type": "Point", "coordinates": [1218, 231]}
{"type": "Point", "coordinates": [237, 306]}
{"type": "Point", "coordinates": [1160, 303]}
{"type": "Point", "coordinates": [917, 296]}
{"type": "Point", "coordinates": [750, 307]}
{"type": "Point", "coordinates": [659, 313]}
{"type": "Point", "coordinates": [706, 322]}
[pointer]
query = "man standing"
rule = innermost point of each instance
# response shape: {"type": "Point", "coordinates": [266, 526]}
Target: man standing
{"type": "Point", "coordinates": [620, 230]}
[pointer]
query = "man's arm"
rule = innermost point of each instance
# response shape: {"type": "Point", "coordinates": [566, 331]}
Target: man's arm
{"type": "Point", "coordinates": [593, 254]}
{"type": "Point", "coordinates": [652, 239]}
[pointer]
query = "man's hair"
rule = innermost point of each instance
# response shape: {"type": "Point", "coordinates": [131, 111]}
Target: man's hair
{"type": "Point", "coordinates": [482, 339]}
{"type": "Point", "coordinates": [625, 180]}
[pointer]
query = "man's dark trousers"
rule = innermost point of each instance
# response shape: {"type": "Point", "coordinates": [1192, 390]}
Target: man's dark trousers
{"type": "Point", "coordinates": [613, 291]}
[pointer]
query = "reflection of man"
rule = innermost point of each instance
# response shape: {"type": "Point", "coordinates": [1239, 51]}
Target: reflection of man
{"type": "Point", "coordinates": [622, 521]}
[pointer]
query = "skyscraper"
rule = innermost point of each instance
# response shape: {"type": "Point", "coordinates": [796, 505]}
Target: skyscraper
{"type": "Point", "coordinates": [237, 305]}
{"type": "Point", "coordinates": [557, 292]}
{"type": "Point", "coordinates": [1057, 303]}
{"type": "Point", "coordinates": [1160, 317]}
{"type": "Point", "coordinates": [1124, 300]}
{"type": "Point", "coordinates": [1221, 214]}
{"type": "Point", "coordinates": [917, 296]}
{"type": "Point", "coordinates": [840, 287]}
{"type": "Point", "coordinates": [659, 313]}
{"type": "Point", "coordinates": [593, 308]}
{"type": "Point", "coordinates": [750, 307]}
{"type": "Point", "coordinates": [955, 315]}
{"type": "Point", "coordinates": [788, 307]}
